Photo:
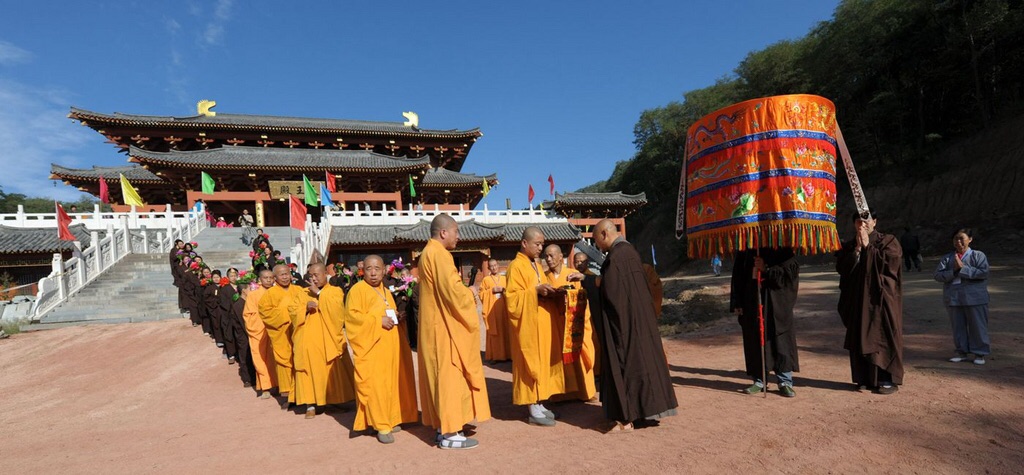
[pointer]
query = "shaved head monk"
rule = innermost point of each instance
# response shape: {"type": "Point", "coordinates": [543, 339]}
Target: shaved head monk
{"type": "Point", "coordinates": [635, 384]}
{"type": "Point", "coordinates": [385, 383]}
{"type": "Point", "coordinates": [537, 372]}
{"type": "Point", "coordinates": [279, 308]}
{"type": "Point", "coordinates": [323, 368]}
{"type": "Point", "coordinates": [579, 361]}
{"type": "Point", "coordinates": [452, 388]}
{"type": "Point", "coordinates": [492, 289]}
{"type": "Point", "coordinates": [259, 341]}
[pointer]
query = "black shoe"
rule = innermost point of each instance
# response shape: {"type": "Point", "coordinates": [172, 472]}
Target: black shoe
{"type": "Point", "coordinates": [887, 388]}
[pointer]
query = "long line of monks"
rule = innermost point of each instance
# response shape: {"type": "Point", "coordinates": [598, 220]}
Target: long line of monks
{"type": "Point", "coordinates": [314, 344]}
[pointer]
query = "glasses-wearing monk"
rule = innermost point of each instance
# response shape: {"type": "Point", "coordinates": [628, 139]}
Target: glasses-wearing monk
{"type": "Point", "coordinates": [323, 368]}
{"type": "Point", "coordinates": [385, 384]}
{"type": "Point", "coordinates": [537, 370]}
{"type": "Point", "coordinates": [452, 388]}
{"type": "Point", "coordinates": [282, 305]}
{"type": "Point", "coordinates": [635, 384]}
{"type": "Point", "coordinates": [579, 372]}
{"type": "Point", "coordinates": [492, 289]}
{"type": "Point", "coordinates": [259, 340]}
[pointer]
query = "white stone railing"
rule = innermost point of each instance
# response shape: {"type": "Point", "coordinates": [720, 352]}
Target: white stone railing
{"type": "Point", "coordinates": [315, 237]}
{"type": "Point", "coordinates": [69, 277]}
{"type": "Point", "coordinates": [365, 217]}
{"type": "Point", "coordinates": [99, 220]}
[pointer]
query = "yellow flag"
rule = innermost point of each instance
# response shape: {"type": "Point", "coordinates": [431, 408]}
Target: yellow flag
{"type": "Point", "coordinates": [131, 197]}
{"type": "Point", "coordinates": [487, 188]}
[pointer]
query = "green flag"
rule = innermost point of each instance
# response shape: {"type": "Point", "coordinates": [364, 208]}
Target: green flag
{"type": "Point", "coordinates": [208, 183]}
{"type": "Point", "coordinates": [309, 193]}
{"type": "Point", "coordinates": [412, 188]}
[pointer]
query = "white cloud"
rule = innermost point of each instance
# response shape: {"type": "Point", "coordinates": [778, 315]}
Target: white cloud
{"type": "Point", "coordinates": [34, 132]}
{"type": "Point", "coordinates": [172, 25]}
{"type": "Point", "coordinates": [10, 54]}
{"type": "Point", "coordinates": [213, 33]}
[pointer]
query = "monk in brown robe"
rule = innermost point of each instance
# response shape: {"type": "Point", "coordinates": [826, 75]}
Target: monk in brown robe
{"type": "Point", "coordinates": [451, 375]}
{"type": "Point", "coordinates": [655, 285]}
{"type": "Point", "coordinates": [871, 306]}
{"type": "Point", "coordinates": [635, 383]}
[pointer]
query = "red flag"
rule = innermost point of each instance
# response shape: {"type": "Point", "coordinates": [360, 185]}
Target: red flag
{"type": "Point", "coordinates": [331, 186]}
{"type": "Point", "coordinates": [63, 224]}
{"type": "Point", "coordinates": [298, 212]}
{"type": "Point", "coordinates": [551, 180]}
{"type": "Point", "coordinates": [530, 195]}
{"type": "Point", "coordinates": [104, 191]}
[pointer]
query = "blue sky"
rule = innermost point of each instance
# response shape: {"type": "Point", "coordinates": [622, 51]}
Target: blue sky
{"type": "Point", "coordinates": [556, 87]}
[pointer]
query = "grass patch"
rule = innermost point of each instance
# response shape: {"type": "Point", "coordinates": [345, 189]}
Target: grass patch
{"type": "Point", "coordinates": [10, 328]}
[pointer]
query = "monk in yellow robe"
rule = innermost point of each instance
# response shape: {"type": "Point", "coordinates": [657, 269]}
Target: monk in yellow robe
{"type": "Point", "coordinates": [579, 375]}
{"type": "Point", "coordinates": [537, 370]}
{"type": "Point", "coordinates": [386, 386]}
{"type": "Point", "coordinates": [259, 341]}
{"type": "Point", "coordinates": [323, 367]}
{"type": "Point", "coordinates": [279, 307]}
{"type": "Point", "coordinates": [452, 388]}
{"type": "Point", "coordinates": [492, 289]}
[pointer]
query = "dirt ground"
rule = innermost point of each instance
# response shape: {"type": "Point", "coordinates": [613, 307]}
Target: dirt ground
{"type": "Point", "coordinates": [156, 397]}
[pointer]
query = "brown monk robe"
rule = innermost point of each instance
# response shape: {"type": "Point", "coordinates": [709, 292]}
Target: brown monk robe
{"type": "Point", "coordinates": [492, 291]}
{"type": "Point", "coordinates": [278, 308]}
{"type": "Point", "coordinates": [871, 306]}
{"type": "Point", "coordinates": [635, 383]}
{"type": "Point", "coordinates": [453, 391]}
{"type": "Point", "coordinates": [579, 375]}
{"type": "Point", "coordinates": [323, 367]}
{"type": "Point", "coordinates": [211, 300]}
{"type": "Point", "coordinates": [246, 369]}
{"type": "Point", "coordinates": [655, 286]}
{"type": "Point", "coordinates": [226, 297]}
{"type": "Point", "coordinates": [190, 288]}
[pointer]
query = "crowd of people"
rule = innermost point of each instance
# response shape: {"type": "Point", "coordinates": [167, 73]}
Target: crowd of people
{"type": "Point", "coordinates": [337, 335]}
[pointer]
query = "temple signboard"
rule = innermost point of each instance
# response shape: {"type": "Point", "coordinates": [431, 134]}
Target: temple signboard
{"type": "Point", "coordinates": [280, 189]}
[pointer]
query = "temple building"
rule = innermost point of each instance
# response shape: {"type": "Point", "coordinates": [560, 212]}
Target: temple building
{"type": "Point", "coordinates": [584, 210]}
{"type": "Point", "coordinates": [256, 161]}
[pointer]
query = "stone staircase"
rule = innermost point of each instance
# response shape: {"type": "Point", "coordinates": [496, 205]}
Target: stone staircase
{"type": "Point", "coordinates": [222, 248]}
{"type": "Point", "coordinates": [139, 288]}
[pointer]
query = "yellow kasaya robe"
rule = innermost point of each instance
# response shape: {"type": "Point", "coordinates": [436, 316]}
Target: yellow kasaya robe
{"type": "Point", "coordinates": [579, 375]}
{"type": "Point", "coordinates": [496, 319]}
{"type": "Point", "coordinates": [385, 383]}
{"type": "Point", "coordinates": [452, 388]}
{"type": "Point", "coordinates": [259, 342]}
{"type": "Point", "coordinates": [323, 367]}
{"type": "Point", "coordinates": [537, 370]}
{"type": "Point", "coordinates": [279, 307]}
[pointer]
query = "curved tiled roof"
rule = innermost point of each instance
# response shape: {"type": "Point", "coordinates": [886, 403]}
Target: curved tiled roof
{"type": "Point", "coordinates": [31, 240]}
{"type": "Point", "coordinates": [446, 177]}
{"type": "Point", "coordinates": [271, 123]}
{"type": "Point", "coordinates": [617, 198]}
{"type": "Point", "coordinates": [133, 173]}
{"type": "Point", "coordinates": [469, 231]}
{"type": "Point", "coordinates": [261, 158]}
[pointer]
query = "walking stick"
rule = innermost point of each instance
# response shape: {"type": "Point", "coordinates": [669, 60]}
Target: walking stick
{"type": "Point", "coordinates": [760, 324]}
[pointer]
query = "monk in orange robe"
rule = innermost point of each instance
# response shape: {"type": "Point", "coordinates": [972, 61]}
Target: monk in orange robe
{"type": "Point", "coordinates": [323, 367]}
{"type": "Point", "coordinates": [452, 388]}
{"type": "Point", "coordinates": [537, 370]}
{"type": "Point", "coordinates": [279, 307]}
{"type": "Point", "coordinates": [654, 283]}
{"type": "Point", "coordinates": [259, 341]}
{"type": "Point", "coordinates": [579, 375]}
{"type": "Point", "coordinates": [386, 386]}
{"type": "Point", "coordinates": [492, 289]}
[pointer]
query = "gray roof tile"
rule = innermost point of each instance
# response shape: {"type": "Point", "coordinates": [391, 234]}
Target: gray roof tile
{"type": "Point", "coordinates": [469, 231]}
{"type": "Point", "coordinates": [132, 172]}
{"type": "Point", "coordinates": [29, 240]}
{"type": "Point", "coordinates": [443, 176]}
{"type": "Point", "coordinates": [617, 198]}
{"type": "Point", "coordinates": [280, 158]}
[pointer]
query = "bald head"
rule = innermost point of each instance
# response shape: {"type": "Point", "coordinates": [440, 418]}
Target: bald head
{"type": "Point", "coordinates": [282, 275]}
{"type": "Point", "coordinates": [492, 266]}
{"type": "Point", "coordinates": [605, 234]}
{"type": "Point", "coordinates": [318, 274]}
{"type": "Point", "coordinates": [532, 243]}
{"type": "Point", "coordinates": [373, 270]}
{"type": "Point", "coordinates": [445, 230]}
{"type": "Point", "coordinates": [553, 258]}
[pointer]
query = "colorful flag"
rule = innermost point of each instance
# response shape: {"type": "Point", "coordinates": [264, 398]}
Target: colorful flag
{"type": "Point", "coordinates": [325, 196]}
{"type": "Point", "coordinates": [487, 188]}
{"type": "Point", "coordinates": [104, 191]}
{"type": "Point", "coordinates": [131, 197]}
{"type": "Point", "coordinates": [298, 212]}
{"type": "Point", "coordinates": [63, 224]}
{"type": "Point", "coordinates": [308, 192]}
{"type": "Point", "coordinates": [551, 180]}
{"type": "Point", "coordinates": [412, 188]}
{"type": "Point", "coordinates": [332, 185]}
{"type": "Point", "coordinates": [208, 183]}
{"type": "Point", "coordinates": [530, 195]}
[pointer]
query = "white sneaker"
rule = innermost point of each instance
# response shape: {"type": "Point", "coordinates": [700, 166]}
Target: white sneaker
{"type": "Point", "coordinates": [979, 360]}
{"type": "Point", "coordinates": [959, 358]}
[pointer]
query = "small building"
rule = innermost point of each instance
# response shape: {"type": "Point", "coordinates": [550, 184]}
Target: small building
{"type": "Point", "coordinates": [26, 254]}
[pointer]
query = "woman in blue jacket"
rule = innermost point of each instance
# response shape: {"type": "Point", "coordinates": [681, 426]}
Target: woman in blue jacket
{"type": "Point", "coordinates": [964, 277]}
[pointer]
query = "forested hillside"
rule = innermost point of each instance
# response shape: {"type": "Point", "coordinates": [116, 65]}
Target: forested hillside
{"type": "Point", "coordinates": [910, 79]}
